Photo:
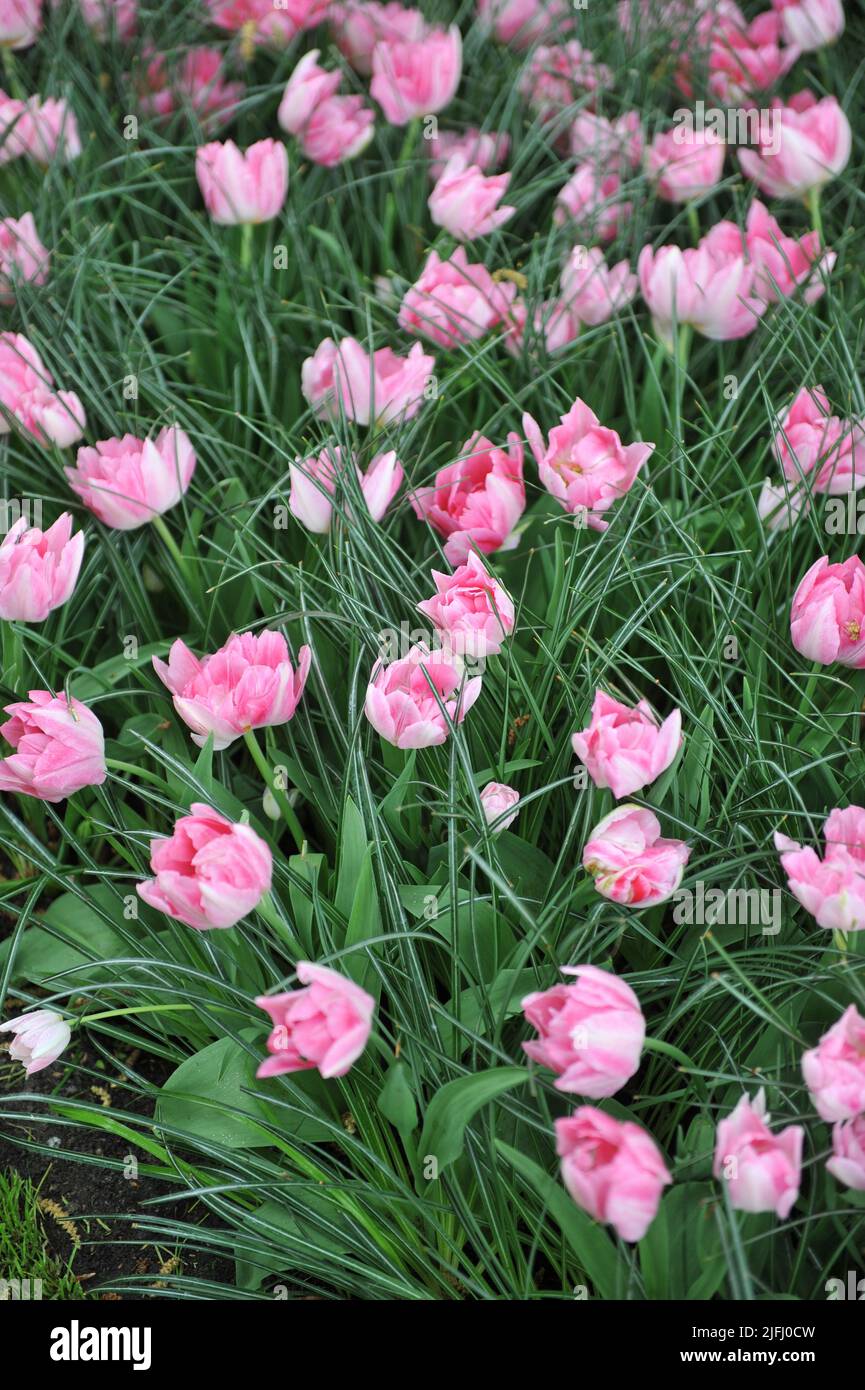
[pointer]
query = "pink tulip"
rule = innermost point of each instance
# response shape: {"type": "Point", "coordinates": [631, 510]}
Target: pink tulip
{"type": "Point", "coordinates": [22, 255]}
{"type": "Point", "coordinates": [38, 569]}
{"type": "Point", "coordinates": [242, 186]}
{"type": "Point", "coordinates": [106, 18]}
{"type": "Point", "coordinates": [45, 131]}
{"type": "Point", "coordinates": [248, 684]}
{"type": "Point", "coordinates": [127, 482]}
{"type": "Point", "coordinates": [313, 483]}
{"type": "Point", "coordinates": [308, 86]}
{"type": "Point", "coordinates": [343, 381]}
{"type": "Point", "coordinates": [847, 1164]}
{"type": "Point", "coordinates": [522, 23]}
{"type": "Point", "coordinates": [20, 26]}
{"type": "Point", "coordinates": [477, 501]}
{"type": "Point", "coordinates": [416, 77]}
{"type": "Point", "coordinates": [785, 262]}
{"type": "Point", "coordinates": [195, 83]}
{"type": "Point", "coordinates": [38, 1038]}
{"type": "Point", "coordinates": [834, 1070]}
{"type": "Point", "coordinates": [358, 25]}
{"type": "Point", "coordinates": [488, 149]}
{"type": "Point", "coordinates": [592, 291]}
{"type": "Point", "coordinates": [465, 201]}
{"type": "Point", "coordinates": [26, 392]}
{"type": "Point", "coordinates": [711, 287]}
{"type": "Point", "coordinates": [557, 75]}
{"type": "Point", "coordinates": [762, 1170]}
{"type": "Point", "coordinates": [585, 466]}
{"type": "Point", "coordinates": [326, 1025]}
{"type": "Point", "coordinates": [591, 1032]}
{"type": "Point", "coordinates": [827, 618]}
{"type": "Point", "coordinates": [780, 507]}
{"type": "Point", "coordinates": [552, 321]}
{"type": "Point", "coordinates": [259, 21]}
{"type": "Point", "coordinates": [11, 114]}
{"type": "Point", "coordinates": [338, 130]}
{"type": "Point", "coordinates": [414, 701]}
{"type": "Point", "coordinates": [809, 24]}
{"type": "Point", "coordinates": [470, 610]}
{"type": "Point", "coordinates": [210, 873]}
{"type": "Point", "coordinates": [685, 163]}
{"type": "Point", "coordinates": [497, 799]}
{"type": "Point", "coordinates": [628, 860]}
{"type": "Point", "coordinates": [623, 747]}
{"type": "Point", "coordinates": [59, 748]}
{"type": "Point", "coordinates": [611, 146]}
{"type": "Point", "coordinates": [801, 146]}
{"type": "Point", "coordinates": [744, 59]}
{"type": "Point", "coordinates": [812, 442]}
{"type": "Point", "coordinates": [832, 889]}
{"type": "Point", "coordinates": [591, 199]}
{"type": "Point", "coordinates": [612, 1169]}
{"type": "Point", "coordinates": [454, 301]}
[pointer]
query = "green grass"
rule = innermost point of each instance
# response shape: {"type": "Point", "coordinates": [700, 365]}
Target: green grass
{"type": "Point", "coordinates": [25, 1255]}
{"type": "Point", "coordinates": [453, 926]}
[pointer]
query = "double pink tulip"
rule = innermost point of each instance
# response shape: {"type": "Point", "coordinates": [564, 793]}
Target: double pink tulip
{"type": "Point", "coordinates": [249, 683]}
{"type": "Point", "coordinates": [847, 1163]}
{"type": "Point", "coordinates": [346, 381]}
{"type": "Point", "coordinates": [414, 701]}
{"type": "Point", "coordinates": [623, 747]}
{"type": "Point", "coordinates": [834, 1070]}
{"type": "Point", "coordinates": [785, 263]}
{"type": "Point", "coordinates": [59, 747]}
{"type": "Point", "coordinates": [499, 802]}
{"type": "Point", "coordinates": [476, 502]}
{"type": "Point", "coordinates": [210, 873]}
{"type": "Point", "coordinates": [585, 465]}
{"type": "Point", "coordinates": [22, 255]}
{"type": "Point", "coordinates": [592, 200]}
{"type": "Point", "coordinates": [827, 616]}
{"type": "Point", "coordinates": [38, 1038]}
{"type": "Point", "coordinates": [832, 889]}
{"type": "Point", "coordinates": [241, 187]}
{"type": "Point", "coordinates": [454, 301]}
{"type": "Point", "coordinates": [712, 286]}
{"type": "Point", "coordinates": [27, 393]}
{"type": "Point", "coordinates": [38, 569]}
{"type": "Point", "coordinates": [417, 77]}
{"type": "Point", "coordinates": [685, 163]}
{"type": "Point", "coordinates": [812, 443]}
{"type": "Point", "coordinates": [127, 482]}
{"type": "Point", "coordinates": [470, 610]}
{"type": "Point", "coordinates": [762, 1170]}
{"type": "Point", "coordinates": [630, 862]}
{"type": "Point", "coordinates": [801, 146]}
{"type": "Point", "coordinates": [325, 1026]}
{"type": "Point", "coordinates": [313, 485]}
{"type": "Point", "coordinates": [330, 128]}
{"type": "Point", "coordinates": [465, 200]}
{"type": "Point", "coordinates": [590, 293]}
{"type": "Point", "coordinates": [590, 1033]}
{"type": "Point", "coordinates": [612, 1169]}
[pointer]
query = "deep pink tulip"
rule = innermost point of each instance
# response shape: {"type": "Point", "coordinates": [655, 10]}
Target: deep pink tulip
{"type": "Point", "coordinates": [358, 25]}
{"type": "Point", "coordinates": [784, 263]}
{"type": "Point", "coordinates": [240, 187]}
{"type": "Point", "coordinates": [313, 483]}
{"type": "Point", "coordinates": [22, 255]}
{"type": "Point", "coordinates": [454, 301]}
{"type": "Point", "coordinates": [847, 1164]}
{"type": "Point", "coordinates": [326, 1025]}
{"type": "Point", "coordinates": [827, 617]}
{"type": "Point", "coordinates": [38, 569]}
{"type": "Point", "coordinates": [499, 803]}
{"type": "Point", "coordinates": [248, 684]}
{"type": "Point", "coordinates": [711, 287]}
{"type": "Point", "coordinates": [470, 610]}
{"type": "Point", "coordinates": [802, 146]}
{"type": "Point", "coordinates": [38, 1038]}
{"type": "Point", "coordinates": [417, 77]}
{"type": "Point", "coordinates": [477, 501]}
{"type": "Point", "coordinates": [27, 393]}
{"type": "Point", "coordinates": [590, 1033]}
{"type": "Point", "coordinates": [810, 24]}
{"type": "Point", "coordinates": [834, 1070]}
{"type": "Point", "coordinates": [127, 482]}
{"type": "Point", "coordinates": [259, 21]}
{"type": "Point", "coordinates": [624, 748]}
{"type": "Point", "coordinates": [592, 200]}
{"type": "Point", "coordinates": [612, 1169]}
{"type": "Point", "coordinates": [815, 444]}
{"type": "Point", "coordinates": [210, 873]}
{"type": "Point", "coordinates": [59, 747]}
{"type": "Point", "coordinates": [832, 889]}
{"type": "Point", "coordinates": [195, 82]}
{"type": "Point", "coordinates": [585, 465]}
{"type": "Point", "coordinates": [685, 163]}
{"type": "Point", "coordinates": [412, 702]}
{"type": "Point", "coordinates": [344, 381]}
{"type": "Point", "coordinates": [628, 860]}
{"type": "Point", "coordinates": [465, 201]}
{"type": "Point", "coordinates": [762, 1170]}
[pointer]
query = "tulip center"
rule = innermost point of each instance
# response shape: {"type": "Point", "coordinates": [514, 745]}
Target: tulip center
{"type": "Point", "coordinates": [853, 630]}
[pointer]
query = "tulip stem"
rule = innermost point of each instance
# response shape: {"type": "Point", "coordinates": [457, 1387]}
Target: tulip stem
{"type": "Point", "coordinates": [694, 223]}
{"type": "Point", "coordinates": [246, 246]}
{"type": "Point", "coordinates": [814, 209]}
{"type": "Point", "coordinates": [135, 1009]}
{"type": "Point", "coordinates": [279, 795]}
{"type": "Point", "coordinates": [117, 766]}
{"type": "Point", "coordinates": [174, 551]}
{"type": "Point", "coordinates": [13, 657]}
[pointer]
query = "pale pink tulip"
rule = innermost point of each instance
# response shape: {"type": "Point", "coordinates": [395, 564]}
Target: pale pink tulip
{"type": "Point", "coordinates": [20, 26]}
{"type": "Point", "coordinates": [313, 483]}
{"type": "Point", "coordinates": [612, 1169]}
{"type": "Point", "coordinates": [592, 199]}
{"type": "Point", "coordinates": [488, 149]}
{"type": "Point", "coordinates": [465, 201]}
{"type": "Point", "coordinates": [624, 748]}
{"type": "Point", "coordinates": [38, 1038]}
{"type": "Point", "coordinates": [414, 701]}
{"type": "Point", "coordinates": [194, 83]}
{"type": "Point", "coordinates": [522, 23]}
{"type": "Point", "coordinates": [762, 1170]}
{"type": "Point", "coordinates": [585, 465]}
{"type": "Point", "coordinates": [591, 1032]}
{"type": "Point", "coordinates": [241, 187]}
{"type": "Point", "coordinates": [326, 1025]}
{"type": "Point", "coordinates": [834, 1070]}
{"type": "Point", "coordinates": [832, 889]}
{"type": "Point", "coordinates": [477, 501]}
{"type": "Point", "coordinates": [308, 86]}
{"type": "Point", "coordinates": [685, 163]}
{"type": "Point", "coordinates": [628, 860]}
{"type": "Point", "coordinates": [59, 747]}
{"type": "Point", "coordinates": [612, 146]}
{"type": "Point", "coordinates": [497, 800]}
{"type": "Point", "coordinates": [27, 393]}
{"type": "Point", "coordinates": [801, 147]}
{"type": "Point", "coordinates": [107, 18]}
{"type": "Point", "coordinates": [377, 389]}
{"type": "Point", "coordinates": [38, 569]}
{"type": "Point", "coordinates": [46, 131]}
{"type": "Point", "coordinates": [454, 301]}
{"type": "Point", "coordinates": [358, 25]}
{"type": "Point", "coordinates": [827, 617]}
{"type": "Point", "coordinates": [557, 75]}
{"type": "Point", "coordinates": [339, 129]}
{"type": "Point", "coordinates": [743, 59]}
{"type": "Point", "coordinates": [127, 482]}
{"type": "Point", "coordinates": [248, 684]}
{"type": "Point", "coordinates": [470, 610]}
{"type": "Point", "coordinates": [22, 256]}
{"type": "Point", "coordinates": [847, 1164]}
{"type": "Point", "coordinates": [812, 443]}
{"type": "Point", "coordinates": [784, 263]}
{"type": "Point", "coordinates": [210, 873]}
{"type": "Point", "coordinates": [810, 24]}
{"type": "Point", "coordinates": [591, 290]}
{"type": "Point", "coordinates": [780, 507]}
{"type": "Point", "coordinates": [416, 77]}
{"type": "Point", "coordinates": [711, 287]}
